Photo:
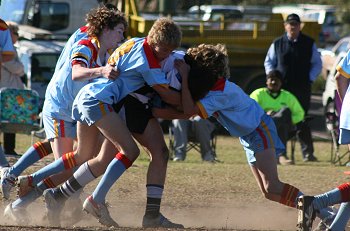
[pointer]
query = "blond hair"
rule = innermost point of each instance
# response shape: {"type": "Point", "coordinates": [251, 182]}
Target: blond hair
{"type": "Point", "coordinates": [165, 32]}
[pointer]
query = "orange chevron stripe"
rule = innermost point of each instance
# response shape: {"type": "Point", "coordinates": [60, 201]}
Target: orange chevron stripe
{"type": "Point", "coordinates": [68, 160]}
{"type": "Point", "coordinates": [39, 147]}
{"type": "Point", "coordinates": [263, 124]}
{"type": "Point", "coordinates": [102, 108]}
{"type": "Point", "coordinates": [49, 183]}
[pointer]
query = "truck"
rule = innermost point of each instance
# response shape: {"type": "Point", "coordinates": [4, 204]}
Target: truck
{"type": "Point", "coordinates": [49, 19]}
{"type": "Point", "coordinates": [247, 36]}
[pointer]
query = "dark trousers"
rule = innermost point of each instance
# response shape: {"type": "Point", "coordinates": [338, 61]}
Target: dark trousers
{"type": "Point", "coordinates": [305, 139]}
{"type": "Point", "coordinates": [283, 121]}
{"type": "Point", "coordinates": [9, 143]}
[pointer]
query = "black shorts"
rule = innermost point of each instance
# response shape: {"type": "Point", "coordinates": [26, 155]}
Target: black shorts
{"type": "Point", "coordinates": [136, 113]}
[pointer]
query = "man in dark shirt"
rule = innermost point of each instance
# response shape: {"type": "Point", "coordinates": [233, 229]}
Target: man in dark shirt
{"type": "Point", "coordinates": [295, 55]}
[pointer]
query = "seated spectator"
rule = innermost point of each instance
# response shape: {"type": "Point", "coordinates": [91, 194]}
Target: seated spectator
{"type": "Point", "coordinates": [201, 130]}
{"type": "Point", "coordinates": [287, 113]}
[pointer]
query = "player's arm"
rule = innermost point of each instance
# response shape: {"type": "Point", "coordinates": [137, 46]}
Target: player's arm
{"type": "Point", "coordinates": [80, 72]}
{"type": "Point", "coordinates": [189, 106]}
{"type": "Point", "coordinates": [168, 113]}
{"type": "Point", "coordinates": [168, 95]}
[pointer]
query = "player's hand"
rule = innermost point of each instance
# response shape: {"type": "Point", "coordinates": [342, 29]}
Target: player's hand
{"type": "Point", "coordinates": [182, 67]}
{"type": "Point", "coordinates": [110, 72]}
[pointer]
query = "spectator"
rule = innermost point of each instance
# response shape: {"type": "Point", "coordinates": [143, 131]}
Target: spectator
{"type": "Point", "coordinates": [295, 55]}
{"type": "Point", "coordinates": [201, 129]}
{"type": "Point", "coordinates": [7, 53]}
{"type": "Point", "coordinates": [11, 73]}
{"type": "Point", "coordinates": [285, 110]}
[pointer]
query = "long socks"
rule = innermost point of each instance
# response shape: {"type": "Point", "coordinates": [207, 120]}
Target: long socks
{"type": "Point", "coordinates": [342, 217]}
{"type": "Point", "coordinates": [154, 198]}
{"type": "Point", "coordinates": [114, 170]}
{"type": "Point", "coordinates": [290, 195]}
{"type": "Point", "coordinates": [81, 177]}
{"type": "Point", "coordinates": [67, 161]}
{"type": "Point", "coordinates": [36, 152]}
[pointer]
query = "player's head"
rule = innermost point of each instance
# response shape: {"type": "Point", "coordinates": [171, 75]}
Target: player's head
{"type": "Point", "coordinates": [200, 81]}
{"type": "Point", "coordinates": [208, 64]}
{"type": "Point", "coordinates": [102, 18]}
{"type": "Point", "coordinates": [211, 57]}
{"type": "Point", "coordinates": [164, 36]}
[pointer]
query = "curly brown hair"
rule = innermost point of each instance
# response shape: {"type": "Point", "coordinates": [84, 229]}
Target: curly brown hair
{"type": "Point", "coordinates": [165, 32]}
{"type": "Point", "coordinates": [213, 58]}
{"type": "Point", "coordinates": [103, 17]}
{"type": "Point", "coordinates": [208, 63]}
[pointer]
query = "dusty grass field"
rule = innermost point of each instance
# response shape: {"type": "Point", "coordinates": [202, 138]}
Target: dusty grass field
{"type": "Point", "coordinates": [202, 196]}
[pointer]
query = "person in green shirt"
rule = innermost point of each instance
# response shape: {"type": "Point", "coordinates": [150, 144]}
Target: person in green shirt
{"type": "Point", "coordinates": [287, 114]}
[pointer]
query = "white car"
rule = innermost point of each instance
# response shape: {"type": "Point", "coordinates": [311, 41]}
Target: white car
{"type": "Point", "coordinates": [39, 58]}
{"type": "Point", "coordinates": [330, 87]}
{"type": "Point", "coordinates": [329, 56]}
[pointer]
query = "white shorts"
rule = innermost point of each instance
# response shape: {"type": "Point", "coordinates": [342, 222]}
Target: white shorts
{"type": "Point", "coordinates": [55, 128]}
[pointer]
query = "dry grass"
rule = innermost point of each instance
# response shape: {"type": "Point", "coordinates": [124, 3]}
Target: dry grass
{"type": "Point", "coordinates": [223, 195]}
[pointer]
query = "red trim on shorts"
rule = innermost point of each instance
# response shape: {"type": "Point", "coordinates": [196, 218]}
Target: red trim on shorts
{"type": "Point", "coordinates": [62, 130]}
{"type": "Point", "coordinates": [345, 192]}
{"type": "Point", "coordinates": [263, 137]}
{"type": "Point", "coordinates": [127, 163]}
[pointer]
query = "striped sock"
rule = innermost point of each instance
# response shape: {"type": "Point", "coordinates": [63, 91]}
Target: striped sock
{"type": "Point", "coordinates": [114, 170]}
{"type": "Point", "coordinates": [67, 161]}
{"type": "Point", "coordinates": [80, 178]}
{"type": "Point", "coordinates": [36, 152]}
{"type": "Point", "coordinates": [154, 198]}
{"type": "Point", "coordinates": [290, 195]}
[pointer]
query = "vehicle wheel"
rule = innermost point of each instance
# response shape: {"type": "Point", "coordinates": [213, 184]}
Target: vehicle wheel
{"type": "Point", "coordinates": [330, 107]}
{"type": "Point", "coordinates": [255, 84]}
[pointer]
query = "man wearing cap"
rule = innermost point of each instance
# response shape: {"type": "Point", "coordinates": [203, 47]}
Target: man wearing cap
{"type": "Point", "coordinates": [295, 55]}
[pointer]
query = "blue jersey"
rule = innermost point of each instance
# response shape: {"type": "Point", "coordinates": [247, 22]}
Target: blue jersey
{"type": "Point", "coordinates": [233, 108]}
{"type": "Point", "coordinates": [62, 90]}
{"type": "Point", "coordinates": [6, 46]}
{"type": "Point", "coordinates": [137, 65]}
{"type": "Point", "coordinates": [344, 69]}
{"type": "Point", "coordinates": [79, 34]}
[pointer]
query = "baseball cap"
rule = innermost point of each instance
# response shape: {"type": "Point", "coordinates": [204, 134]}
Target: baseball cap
{"type": "Point", "coordinates": [293, 18]}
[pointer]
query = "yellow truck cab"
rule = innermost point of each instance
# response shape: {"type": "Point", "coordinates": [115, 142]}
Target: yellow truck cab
{"type": "Point", "coordinates": [246, 34]}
